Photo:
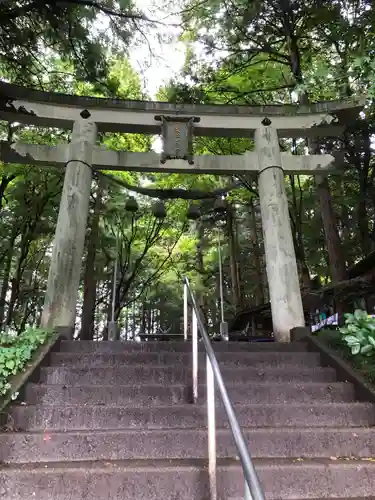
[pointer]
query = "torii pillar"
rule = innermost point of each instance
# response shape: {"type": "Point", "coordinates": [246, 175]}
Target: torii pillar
{"type": "Point", "coordinates": [66, 261]}
{"type": "Point", "coordinates": [281, 264]}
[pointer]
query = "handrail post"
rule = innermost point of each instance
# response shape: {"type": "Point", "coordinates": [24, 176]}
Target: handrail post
{"type": "Point", "coordinates": [253, 487]}
{"type": "Point", "coordinates": [248, 495]}
{"type": "Point", "coordinates": [211, 427]}
{"type": "Point", "coordinates": [185, 312]}
{"type": "Point", "coordinates": [223, 324]}
{"type": "Point", "coordinates": [195, 354]}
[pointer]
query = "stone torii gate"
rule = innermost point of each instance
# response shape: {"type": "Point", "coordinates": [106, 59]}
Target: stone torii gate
{"type": "Point", "coordinates": [178, 123]}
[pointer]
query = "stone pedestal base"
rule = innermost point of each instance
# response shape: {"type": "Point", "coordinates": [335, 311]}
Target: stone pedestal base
{"type": "Point", "coordinates": [299, 333]}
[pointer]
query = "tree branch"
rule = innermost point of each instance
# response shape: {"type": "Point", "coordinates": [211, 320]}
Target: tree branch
{"type": "Point", "coordinates": [111, 12]}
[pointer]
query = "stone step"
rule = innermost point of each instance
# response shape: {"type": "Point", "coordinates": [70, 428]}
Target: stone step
{"type": "Point", "coordinates": [107, 347]}
{"type": "Point", "coordinates": [144, 374]}
{"type": "Point", "coordinates": [187, 480]}
{"type": "Point", "coordinates": [140, 396]}
{"type": "Point", "coordinates": [20, 447]}
{"type": "Point", "coordinates": [254, 359]}
{"type": "Point", "coordinates": [40, 418]}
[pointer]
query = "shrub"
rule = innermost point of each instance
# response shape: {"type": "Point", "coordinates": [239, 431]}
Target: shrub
{"type": "Point", "coordinates": [16, 351]}
{"type": "Point", "coordinates": [359, 333]}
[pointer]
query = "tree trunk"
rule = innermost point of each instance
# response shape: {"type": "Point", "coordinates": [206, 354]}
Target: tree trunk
{"type": "Point", "coordinates": [240, 271]}
{"type": "Point", "coordinates": [335, 255]}
{"type": "Point", "coordinates": [149, 319]}
{"type": "Point", "coordinates": [144, 319]}
{"type": "Point", "coordinates": [5, 181]}
{"type": "Point", "coordinates": [303, 270]}
{"type": "Point", "coordinates": [108, 309]}
{"type": "Point", "coordinates": [27, 307]}
{"type": "Point", "coordinates": [90, 280]}
{"type": "Point", "coordinates": [363, 164]}
{"type": "Point", "coordinates": [12, 301]}
{"type": "Point", "coordinates": [233, 255]}
{"type": "Point", "coordinates": [134, 321]}
{"type": "Point", "coordinates": [344, 220]}
{"type": "Point", "coordinates": [16, 281]}
{"type": "Point", "coordinates": [336, 260]}
{"type": "Point", "coordinates": [6, 274]}
{"type": "Point", "coordinates": [126, 323]}
{"type": "Point", "coordinates": [259, 271]}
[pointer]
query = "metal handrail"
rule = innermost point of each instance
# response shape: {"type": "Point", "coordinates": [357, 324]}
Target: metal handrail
{"type": "Point", "coordinates": [253, 488]}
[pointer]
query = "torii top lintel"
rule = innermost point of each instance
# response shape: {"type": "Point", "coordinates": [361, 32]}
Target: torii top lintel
{"type": "Point", "coordinates": [29, 106]}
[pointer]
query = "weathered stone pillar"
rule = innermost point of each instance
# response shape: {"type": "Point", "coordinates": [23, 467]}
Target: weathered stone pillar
{"type": "Point", "coordinates": [282, 274]}
{"type": "Point", "coordinates": [66, 261]}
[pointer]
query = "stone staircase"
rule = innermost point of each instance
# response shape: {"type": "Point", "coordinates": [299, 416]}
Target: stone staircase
{"type": "Point", "coordinates": [112, 420]}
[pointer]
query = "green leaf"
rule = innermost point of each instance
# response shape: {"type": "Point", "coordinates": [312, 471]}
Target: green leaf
{"type": "Point", "coordinates": [10, 364]}
{"type": "Point", "coordinates": [353, 328]}
{"type": "Point", "coordinates": [351, 340]}
{"type": "Point", "coordinates": [359, 314]}
{"type": "Point", "coordinates": [371, 340]}
{"type": "Point", "coordinates": [344, 330]}
{"type": "Point", "coordinates": [355, 349]}
{"type": "Point", "coordinates": [366, 349]}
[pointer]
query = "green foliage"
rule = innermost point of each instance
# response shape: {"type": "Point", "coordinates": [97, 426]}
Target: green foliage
{"type": "Point", "coordinates": [261, 53]}
{"type": "Point", "coordinates": [355, 342]}
{"type": "Point", "coordinates": [16, 351]}
{"type": "Point", "coordinates": [359, 333]}
{"type": "Point", "coordinates": [79, 33]}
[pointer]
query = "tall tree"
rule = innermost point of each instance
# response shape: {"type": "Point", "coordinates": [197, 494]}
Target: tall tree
{"type": "Point", "coordinates": [258, 52]}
